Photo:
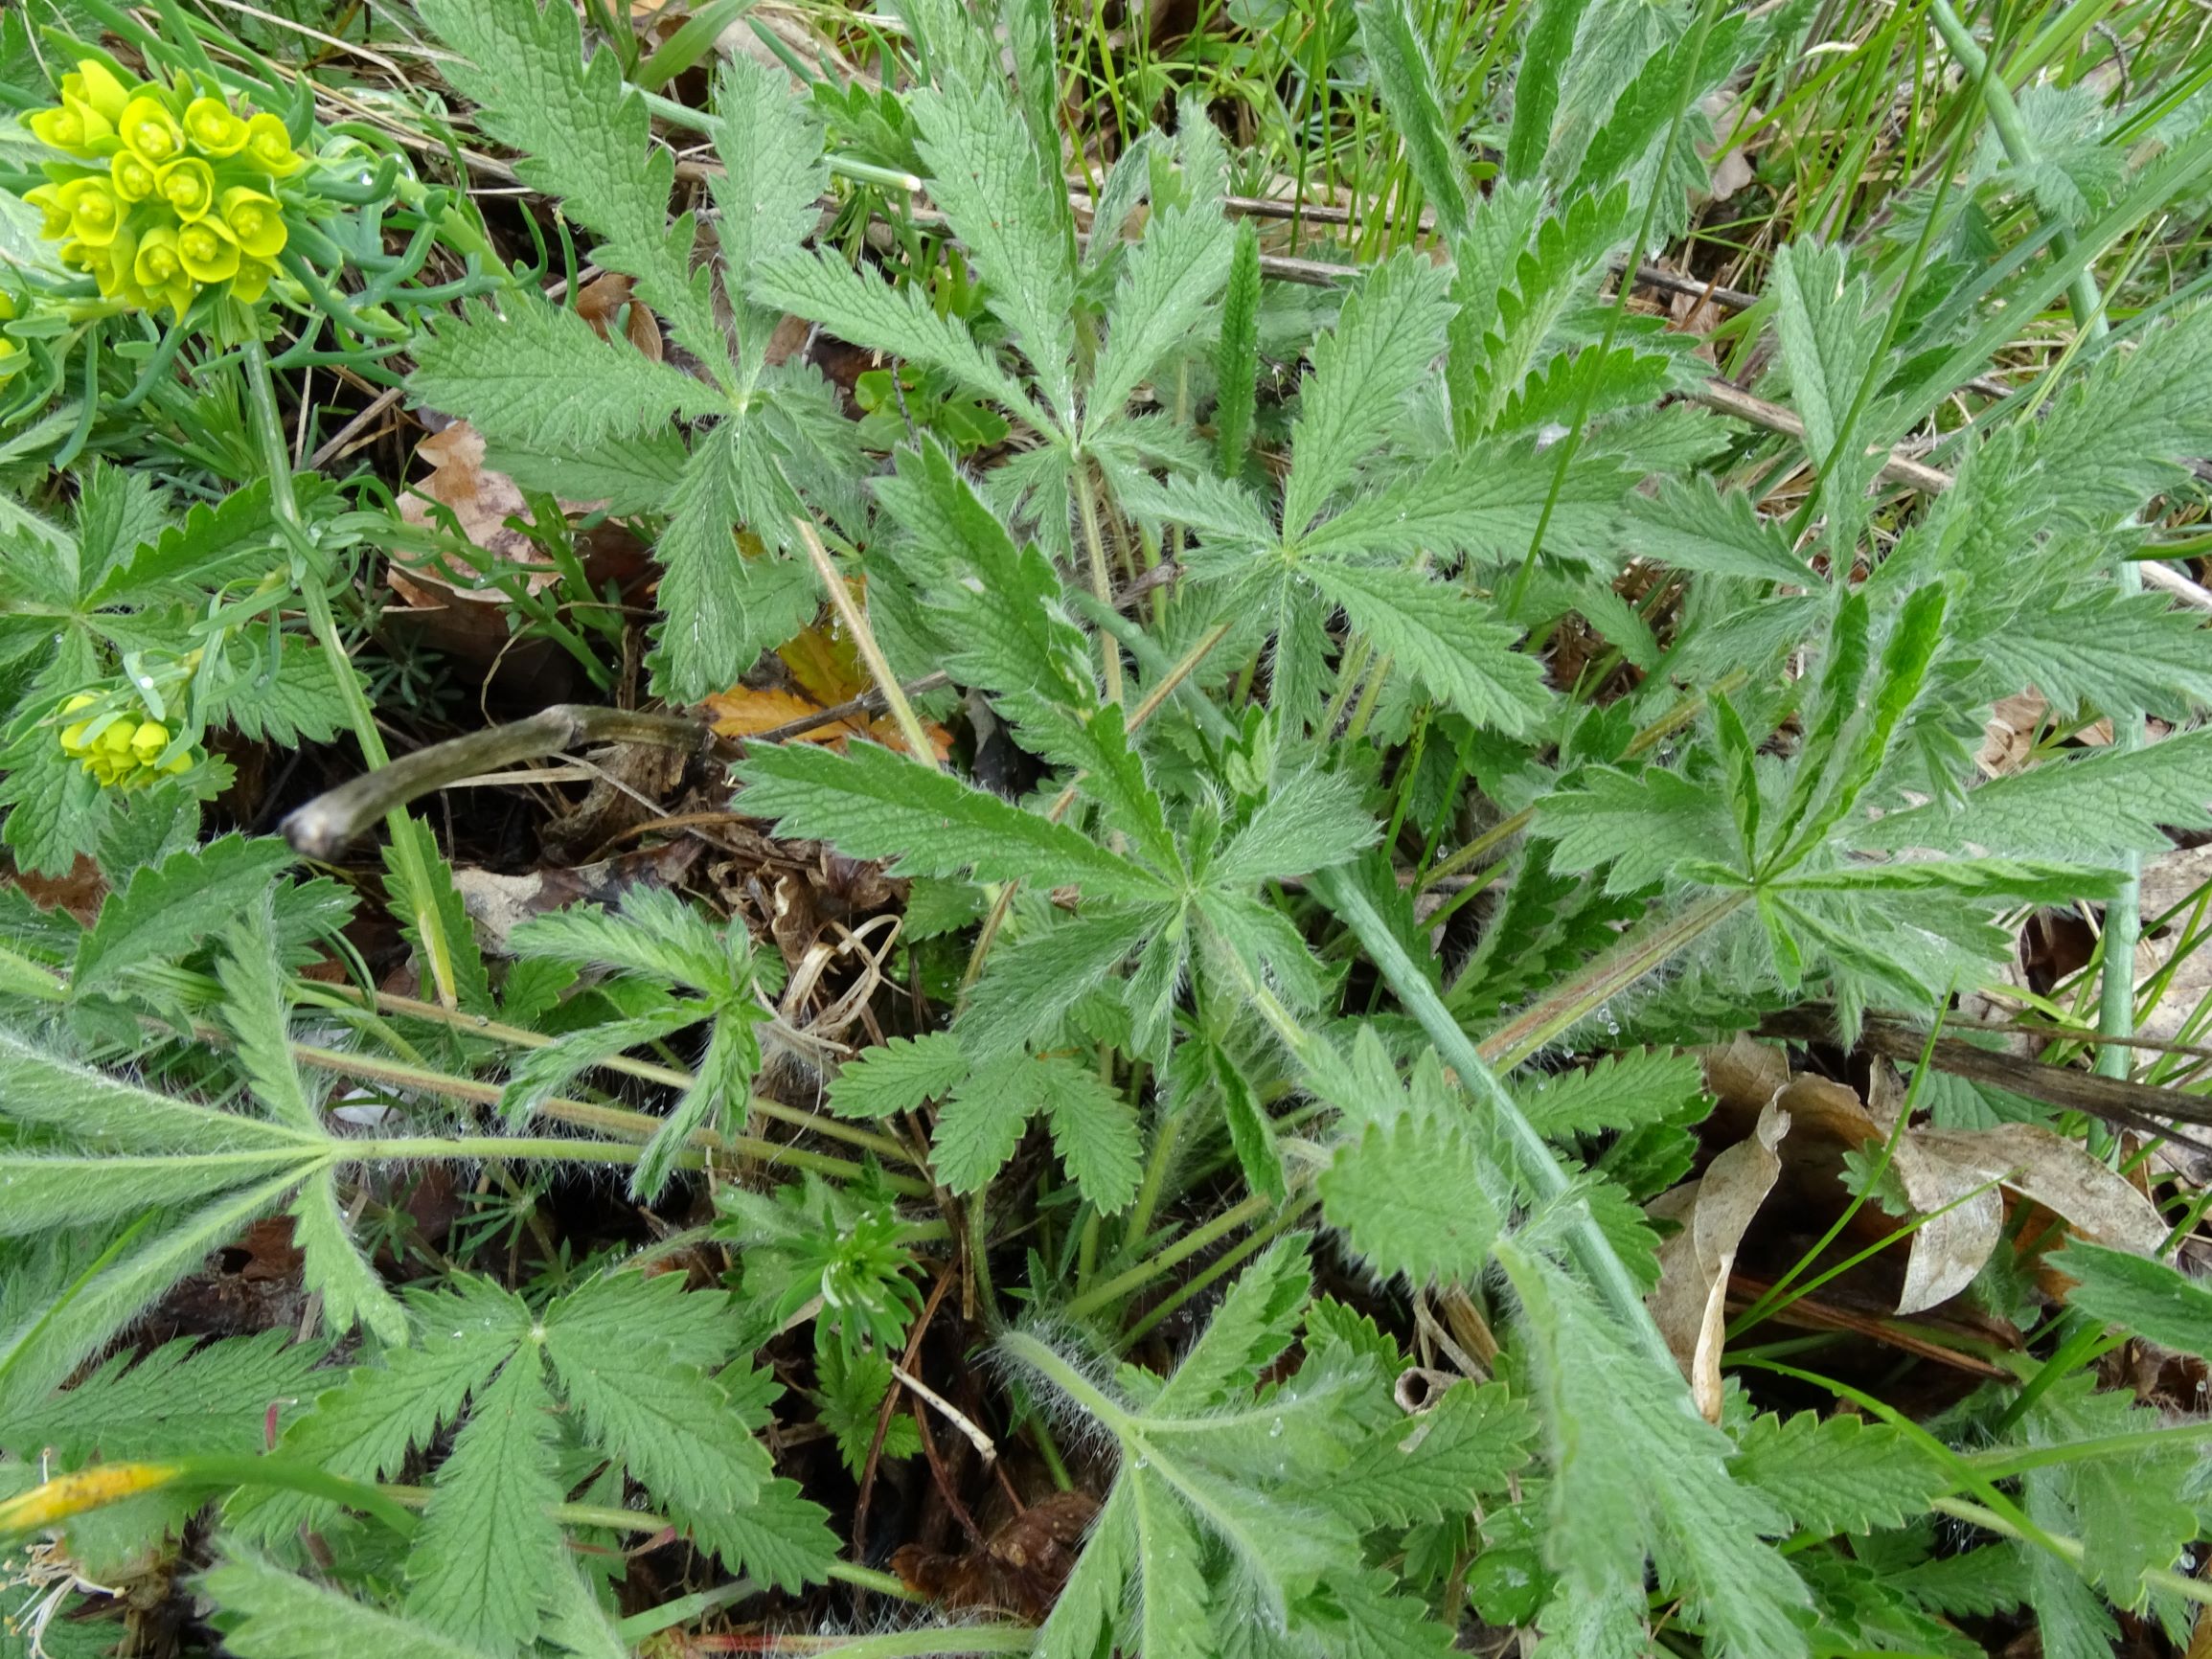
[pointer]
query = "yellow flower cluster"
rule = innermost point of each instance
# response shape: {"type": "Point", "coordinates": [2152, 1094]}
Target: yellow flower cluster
{"type": "Point", "coordinates": [172, 190]}
{"type": "Point", "coordinates": [121, 752]}
{"type": "Point", "coordinates": [10, 353]}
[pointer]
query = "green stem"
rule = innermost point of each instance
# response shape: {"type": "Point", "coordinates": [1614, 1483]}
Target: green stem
{"type": "Point", "coordinates": [1158, 1265]}
{"type": "Point", "coordinates": [1605, 979]}
{"type": "Point", "coordinates": [418, 896]}
{"type": "Point", "coordinates": [2069, 1549]}
{"type": "Point", "coordinates": [1171, 1130]}
{"type": "Point", "coordinates": [430, 1149]}
{"type": "Point", "coordinates": [1101, 578]}
{"type": "Point", "coordinates": [584, 1114]}
{"type": "Point", "coordinates": [646, 1071]}
{"type": "Point", "coordinates": [1227, 1262]}
{"type": "Point", "coordinates": [2003, 1463]}
{"type": "Point", "coordinates": [1045, 1360]}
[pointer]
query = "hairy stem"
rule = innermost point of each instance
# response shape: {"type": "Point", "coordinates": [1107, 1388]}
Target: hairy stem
{"type": "Point", "coordinates": [416, 895]}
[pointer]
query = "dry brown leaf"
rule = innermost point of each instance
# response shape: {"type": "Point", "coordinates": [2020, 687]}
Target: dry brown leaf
{"type": "Point", "coordinates": [2057, 1174]}
{"type": "Point", "coordinates": [600, 301]}
{"type": "Point", "coordinates": [1746, 1074]}
{"type": "Point", "coordinates": [479, 499]}
{"type": "Point", "coordinates": [2009, 734]}
{"type": "Point", "coordinates": [1692, 1310]}
{"type": "Point", "coordinates": [746, 710]}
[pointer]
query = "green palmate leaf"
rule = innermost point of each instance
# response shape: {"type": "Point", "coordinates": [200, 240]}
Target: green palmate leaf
{"type": "Point", "coordinates": [898, 1075]}
{"type": "Point", "coordinates": [998, 606]}
{"type": "Point", "coordinates": [47, 1193]}
{"type": "Point", "coordinates": [38, 1088]}
{"type": "Point", "coordinates": [1257, 1321]}
{"type": "Point", "coordinates": [852, 1387]}
{"type": "Point", "coordinates": [1623, 1091]}
{"type": "Point", "coordinates": [577, 1622]}
{"type": "Point", "coordinates": [674, 1427]}
{"type": "Point", "coordinates": [1486, 507]}
{"type": "Point", "coordinates": [183, 1397]}
{"type": "Point", "coordinates": [170, 907]}
{"type": "Point", "coordinates": [1405, 75]}
{"type": "Point", "coordinates": [1172, 1590]}
{"type": "Point", "coordinates": [2149, 1298]}
{"type": "Point", "coordinates": [1310, 820]}
{"type": "Point", "coordinates": [1838, 1475]}
{"type": "Point", "coordinates": [43, 1349]}
{"type": "Point", "coordinates": [983, 1121]}
{"type": "Point", "coordinates": [875, 804]}
{"type": "Point", "coordinates": [782, 1539]}
{"type": "Point", "coordinates": [485, 1557]}
{"type": "Point", "coordinates": [332, 1266]}
{"type": "Point", "coordinates": [773, 171]}
{"type": "Point", "coordinates": [1251, 1130]}
{"type": "Point", "coordinates": [629, 474]}
{"type": "Point", "coordinates": [899, 321]}
{"type": "Point", "coordinates": [1865, 743]}
{"type": "Point", "coordinates": [1637, 1471]}
{"type": "Point", "coordinates": [272, 1614]}
{"type": "Point", "coordinates": [1640, 826]}
{"type": "Point", "coordinates": [2091, 805]}
{"type": "Point", "coordinates": [2107, 651]}
{"type": "Point", "coordinates": [280, 693]}
{"type": "Point", "coordinates": [1034, 983]}
{"type": "Point", "coordinates": [1550, 46]}
{"type": "Point", "coordinates": [1389, 332]}
{"type": "Point", "coordinates": [2118, 436]}
{"type": "Point", "coordinates": [987, 175]}
{"type": "Point", "coordinates": [1994, 879]}
{"type": "Point", "coordinates": [1445, 637]}
{"type": "Point", "coordinates": [1516, 294]}
{"type": "Point", "coordinates": [1166, 290]}
{"type": "Point", "coordinates": [536, 375]}
{"type": "Point", "coordinates": [1673, 77]}
{"type": "Point", "coordinates": [1093, 1128]}
{"type": "Point", "coordinates": [1465, 1445]}
{"type": "Point", "coordinates": [1236, 355]}
{"type": "Point", "coordinates": [1691, 526]}
{"type": "Point", "coordinates": [1094, 1131]}
{"type": "Point", "coordinates": [258, 1013]}
{"type": "Point", "coordinates": [722, 605]}
{"type": "Point", "coordinates": [366, 1428]}
{"type": "Point", "coordinates": [1113, 775]}
{"type": "Point", "coordinates": [725, 1078]}
{"type": "Point", "coordinates": [1083, 1617]}
{"type": "Point", "coordinates": [216, 542]}
{"type": "Point", "coordinates": [1979, 1581]}
{"type": "Point", "coordinates": [540, 1074]}
{"type": "Point", "coordinates": [2130, 1511]}
{"type": "Point", "coordinates": [655, 933]}
{"type": "Point", "coordinates": [1829, 336]}
{"type": "Point", "coordinates": [1411, 1198]}
{"type": "Point", "coordinates": [585, 137]}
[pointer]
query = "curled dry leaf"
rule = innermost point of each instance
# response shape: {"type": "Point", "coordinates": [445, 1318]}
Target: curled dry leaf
{"type": "Point", "coordinates": [2095, 1201]}
{"type": "Point", "coordinates": [600, 302]}
{"type": "Point", "coordinates": [1954, 1180]}
{"type": "Point", "coordinates": [1690, 1301]}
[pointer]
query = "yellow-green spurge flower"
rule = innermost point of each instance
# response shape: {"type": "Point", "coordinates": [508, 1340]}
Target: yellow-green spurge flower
{"type": "Point", "coordinates": [122, 750]}
{"type": "Point", "coordinates": [169, 190]}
